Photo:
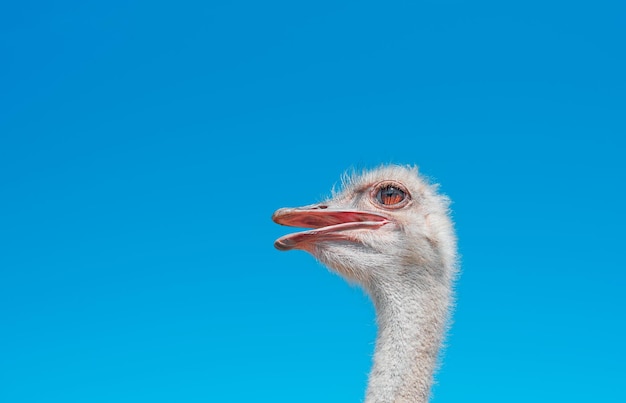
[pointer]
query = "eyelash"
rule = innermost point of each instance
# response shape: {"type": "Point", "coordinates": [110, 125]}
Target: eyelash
{"type": "Point", "coordinates": [378, 188]}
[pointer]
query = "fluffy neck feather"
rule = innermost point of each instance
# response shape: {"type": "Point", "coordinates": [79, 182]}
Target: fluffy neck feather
{"type": "Point", "coordinates": [412, 318]}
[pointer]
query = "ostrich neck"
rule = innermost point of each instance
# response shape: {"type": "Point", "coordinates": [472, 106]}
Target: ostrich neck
{"type": "Point", "coordinates": [411, 318]}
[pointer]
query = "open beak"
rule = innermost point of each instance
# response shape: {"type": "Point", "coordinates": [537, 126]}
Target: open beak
{"type": "Point", "coordinates": [327, 224]}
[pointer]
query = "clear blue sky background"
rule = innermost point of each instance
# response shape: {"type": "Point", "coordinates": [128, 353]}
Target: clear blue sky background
{"type": "Point", "coordinates": [144, 146]}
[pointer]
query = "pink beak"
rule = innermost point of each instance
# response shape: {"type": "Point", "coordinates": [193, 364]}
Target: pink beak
{"type": "Point", "coordinates": [327, 224]}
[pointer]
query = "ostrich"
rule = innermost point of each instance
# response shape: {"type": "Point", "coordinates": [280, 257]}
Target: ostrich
{"type": "Point", "coordinates": [389, 231]}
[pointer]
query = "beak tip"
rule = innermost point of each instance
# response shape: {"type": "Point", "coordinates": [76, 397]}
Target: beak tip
{"type": "Point", "coordinates": [284, 244]}
{"type": "Point", "coordinates": [281, 214]}
{"type": "Point", "coordinates": [276, 215]}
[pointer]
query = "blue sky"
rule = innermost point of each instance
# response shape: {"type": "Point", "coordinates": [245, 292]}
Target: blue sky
{"type": "Point", "coordinates": [145, 145]}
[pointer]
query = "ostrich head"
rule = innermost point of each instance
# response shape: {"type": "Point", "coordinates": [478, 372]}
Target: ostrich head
{"type": "Point", "coordinates": [384, 228]}
{"type": "Point", "coordinates": [389, 231]}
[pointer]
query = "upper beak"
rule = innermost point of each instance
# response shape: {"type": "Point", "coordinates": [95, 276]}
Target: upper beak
{"type": "Point", "coordinates": [328, 224]}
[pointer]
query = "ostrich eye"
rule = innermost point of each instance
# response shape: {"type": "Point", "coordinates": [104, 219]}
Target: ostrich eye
{"type": "Point", "coordinates": [390, 195]}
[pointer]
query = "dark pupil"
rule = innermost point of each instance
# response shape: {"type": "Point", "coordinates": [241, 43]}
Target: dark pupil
{"type": "Point", "coordinates": [390, 195]}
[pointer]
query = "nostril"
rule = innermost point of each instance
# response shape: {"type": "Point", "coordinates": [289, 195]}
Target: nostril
{"type": "Point", "coordinates": [322, 207]}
